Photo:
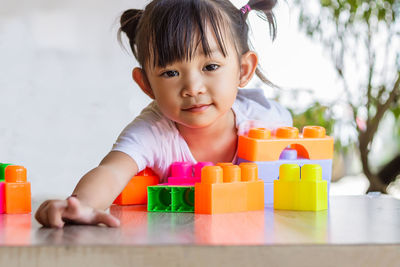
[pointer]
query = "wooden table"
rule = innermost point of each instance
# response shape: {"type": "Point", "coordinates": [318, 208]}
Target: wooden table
{"type": "Point", "coordinates": [355, 231]}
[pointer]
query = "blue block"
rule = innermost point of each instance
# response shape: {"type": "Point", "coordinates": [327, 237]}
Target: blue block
{"type": "Point", "coordinates": [268, 193]}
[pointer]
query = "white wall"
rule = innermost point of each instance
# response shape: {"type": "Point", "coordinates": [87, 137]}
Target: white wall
{"type": "Point", "coordinates": [66, 90]}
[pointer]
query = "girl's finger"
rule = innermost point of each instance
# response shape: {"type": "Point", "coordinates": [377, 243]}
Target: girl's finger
{"type": "Point", "coordinates": [41, 213]}
{"type": "Point", "coordinates": [107, 219]}
{"type": "Point", "coordinates": [76, 213]}
{"type": "Point", "coordinates": [73, 207]}
{"type": "Point", "coordinates": [54, 214]}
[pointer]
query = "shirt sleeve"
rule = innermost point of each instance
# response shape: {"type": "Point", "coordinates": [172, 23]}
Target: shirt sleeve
{"type": "Point", "coordinates": [139, 139]}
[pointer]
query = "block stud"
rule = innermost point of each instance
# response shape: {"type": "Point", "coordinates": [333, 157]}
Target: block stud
{"type": "Point", "coordinates": [249, 171]}
{"type": "Point", "coordinates": [289, 172]}
{"type": "Point", "coordinates": [181, 169]}
{"type": "Point", "coordinates": [232, 173]}
{"type": "Point", "coordinates": [288, 154]}
{"type": "Point", "coordinates": [311, 172]}
{"type": "Point", "coordinates": [223, 164]}
{"type": "Point", "coordinates": [146, 172]}
{"type": "Point", "coordinates": [211, 175]}
{"type": "Point", "coordinates": [287, 132]}
{"type": "Point", "coordinates": [259, 133]}
{"type": "Point", "coordinates": [15, 174]}
{"type": "Point", "coordinates": [314, 132]}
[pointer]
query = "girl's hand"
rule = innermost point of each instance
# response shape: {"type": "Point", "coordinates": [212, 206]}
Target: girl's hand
{"type": "Point", "coordinates": [54, 213]}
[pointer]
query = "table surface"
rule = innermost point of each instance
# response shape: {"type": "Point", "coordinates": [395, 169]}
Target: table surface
{"type": "Point", "coordinates": [349, 220]}
{"type": "Point", "coordinates": [371, 222]}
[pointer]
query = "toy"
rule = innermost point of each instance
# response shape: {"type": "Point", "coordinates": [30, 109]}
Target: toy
{"type": "Point", "coordinates": [305, 191]}
{"type": "Point", "coordinates": [15, 190]}
{"type": "Point", "coordinates": [260, 145]}
{"type": "Point", "coordinates": [229, 188]}
{"type": "Point", "coordinates": [166, 198]}
{"type": "Point", "coordinates": [286, 146]}
{"type": "Point", "coordinates": [177, 195]}
{"type": "Point", "coordinates": [182, 173]}
{"type": "Point", "coordinates": [135, 192]}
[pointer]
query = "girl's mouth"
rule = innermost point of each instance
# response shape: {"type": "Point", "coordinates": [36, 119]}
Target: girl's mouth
{"type": "Point", "coordinates": [197, 108]}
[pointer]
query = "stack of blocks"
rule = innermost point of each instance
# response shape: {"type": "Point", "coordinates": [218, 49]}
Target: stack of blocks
{"type": "Point", "coordinates": [15, 191]}
{"type": "Point", "coordinates": [285, 146]}
{"type": "Point", "coordinates": [177, 195]}
{"type": "Point", "coordinates": [220, 189]}
{"type": "Point", "coordinates": [305, 191]}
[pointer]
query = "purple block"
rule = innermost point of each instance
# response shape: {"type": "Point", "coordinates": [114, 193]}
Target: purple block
{"type": "Point", "coordinates": [268, 193]}
{"type": "Point", "coordinates": [2, 197]}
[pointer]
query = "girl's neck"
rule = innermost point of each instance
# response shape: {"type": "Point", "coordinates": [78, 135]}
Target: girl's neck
{"type": "Point", "coordinates": [216, 142]}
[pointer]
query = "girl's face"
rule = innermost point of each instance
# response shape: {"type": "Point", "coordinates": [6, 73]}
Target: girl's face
{"type": "Point", "coordinates": [199, 92]}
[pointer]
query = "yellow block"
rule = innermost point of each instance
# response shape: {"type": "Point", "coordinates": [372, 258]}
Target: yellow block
{"type": "Point", "coordinates": [308, 193]}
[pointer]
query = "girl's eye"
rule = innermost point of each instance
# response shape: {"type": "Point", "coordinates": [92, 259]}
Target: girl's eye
{"type": "Point", "coordinates": [211, 67]}
{"type": "Point", "coordinates": [170, 73]}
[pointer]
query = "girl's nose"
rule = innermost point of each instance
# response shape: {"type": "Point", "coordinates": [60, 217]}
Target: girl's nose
{"type": "Point", "coordinates": [193, 86]}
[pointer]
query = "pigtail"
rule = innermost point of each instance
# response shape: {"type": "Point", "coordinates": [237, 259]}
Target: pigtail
{"type": "Point", "coordinates": [129, 23]}
{"type": "Point", "coordinates": [264, 8]}
{"type": "Point", "coordinates": [265, 12]}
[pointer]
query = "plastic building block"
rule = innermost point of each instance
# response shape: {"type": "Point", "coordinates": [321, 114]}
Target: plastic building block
{"type": "Point", "coordinates": [2, 197]}
{"type": "Point", "coordinates": [2, 170]}
{"type": "Point", "coordinates": [135, 192]}
{"type": "Point", "coordinates": [164, 198]}
{"type": "Point", "coordinates": [305, 191]}
{"type": "Point", "coordinates": [269, 193]}
{"type": "Point", "coordinates": [260, 145]}
{"type": "Point", "coordinates": [17, 191]}
{"type": "Point", "coordinates": [182, 173]}
{"type": "Point", "coordinates": [230, 188]}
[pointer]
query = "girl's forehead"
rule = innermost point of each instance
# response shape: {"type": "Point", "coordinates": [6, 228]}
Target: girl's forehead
{"type": "Point", "coordinates": [207, 42]}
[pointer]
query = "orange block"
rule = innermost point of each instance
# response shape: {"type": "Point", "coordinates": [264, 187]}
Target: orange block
{"type": "Point", "coordinates": [17, 197]}
{"type": "Point", "coordinates": [135, 192]}
{"type": "Point", "coordinates": [260, 145]}
{"type": "Point", "coordinates": [15, 174]}
{"type": "Point", "coordinates": [229, 188]}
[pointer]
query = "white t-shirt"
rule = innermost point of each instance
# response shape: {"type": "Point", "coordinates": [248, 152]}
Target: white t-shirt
{"type": "Point", "coordinates": [153, 140]}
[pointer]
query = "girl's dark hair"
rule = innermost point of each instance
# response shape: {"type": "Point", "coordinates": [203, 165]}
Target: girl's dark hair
{"type": "Point", "coordinates": [164, 30]}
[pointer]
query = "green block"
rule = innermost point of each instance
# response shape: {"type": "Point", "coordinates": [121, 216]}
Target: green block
{"type": "Point", "coordinates": [159, 198]}
{"type": "Point", "coordinates": [3, 170]}
{"type": "Point", "coordinates": [183, 199]}
{"type": "Point", "coordinates": [170, 198]}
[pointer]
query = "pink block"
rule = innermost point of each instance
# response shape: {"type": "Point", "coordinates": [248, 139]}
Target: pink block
{"type": "Point", "coordinates": [183, 181]}
{"type": "Point", "coordinates": [181, 169]}
{"type": "Point", "coordinates": [182, 173]}
{"type": "Point", "coordinates": [2, 197]}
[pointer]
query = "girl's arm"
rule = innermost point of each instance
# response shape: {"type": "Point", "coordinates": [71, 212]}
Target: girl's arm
{"type": "Point", "coordinates": [94, 193]}
{"type": "Point", "coordinates": [100, 186]}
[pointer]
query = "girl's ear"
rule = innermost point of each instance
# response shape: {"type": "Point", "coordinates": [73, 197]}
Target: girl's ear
{"type": "Point", "coordinates": [248, 65]}
{"type": "Point", "coordinates": [139, 76]}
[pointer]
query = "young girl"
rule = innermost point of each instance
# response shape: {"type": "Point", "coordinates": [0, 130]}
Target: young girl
{"type": "Point", "coordinates": [194, 55]}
